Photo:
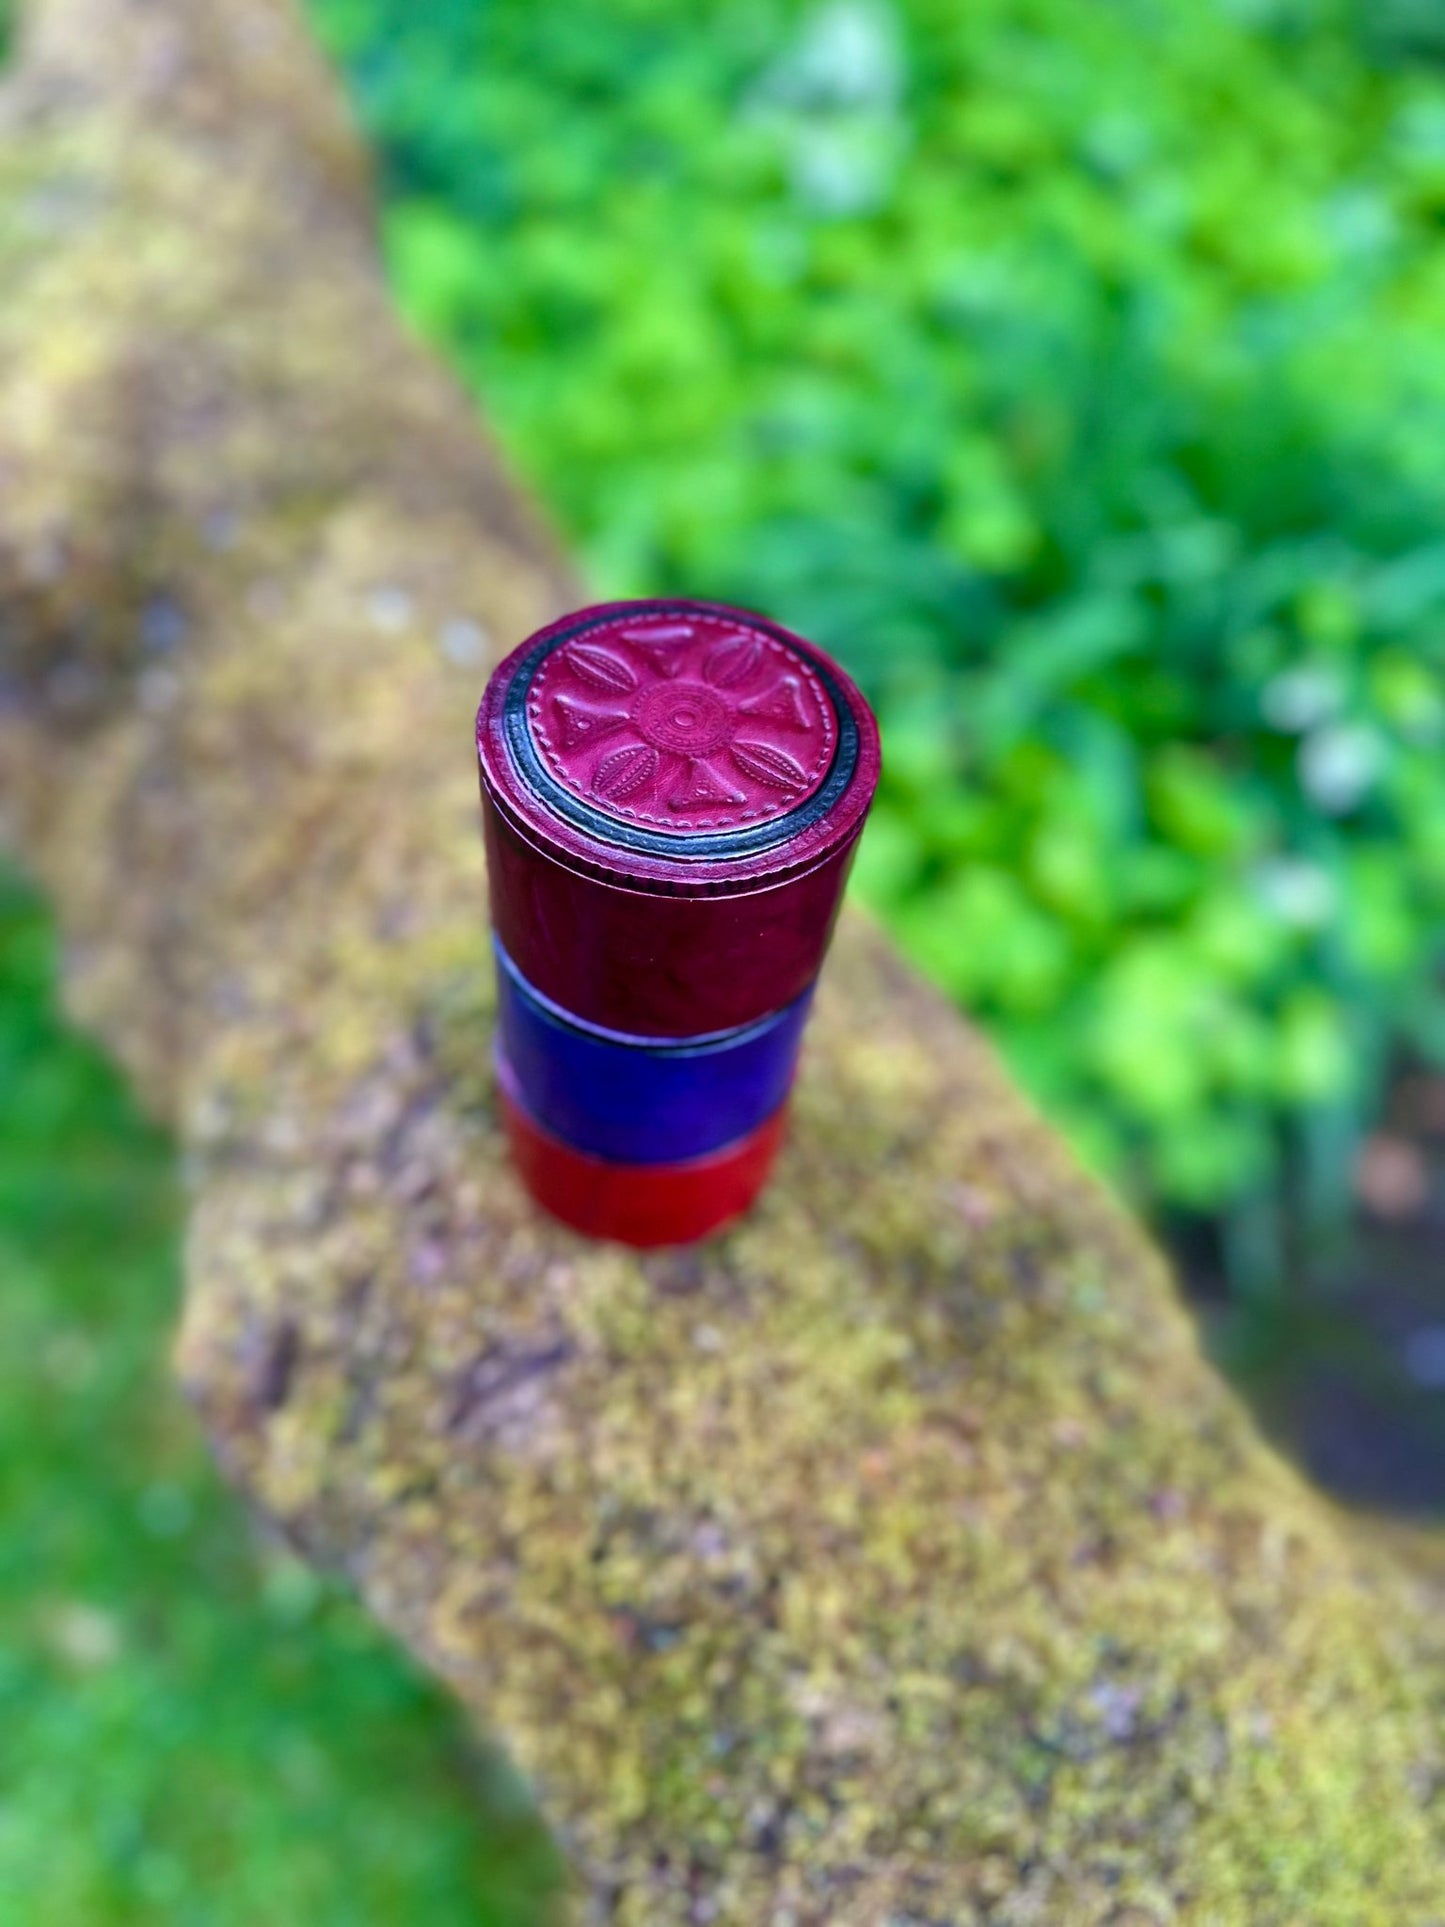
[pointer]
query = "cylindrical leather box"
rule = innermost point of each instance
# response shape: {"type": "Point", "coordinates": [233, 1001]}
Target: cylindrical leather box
{"type": "Point", "coordinates": [672, 793]}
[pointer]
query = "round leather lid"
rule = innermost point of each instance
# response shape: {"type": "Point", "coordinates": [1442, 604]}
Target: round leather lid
{"type": "Point", "coordinates": [681, 747]}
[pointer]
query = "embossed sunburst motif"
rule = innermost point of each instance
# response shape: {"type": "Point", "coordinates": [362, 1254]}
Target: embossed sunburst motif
{"type": "Point", "coordinates": [686, 724]}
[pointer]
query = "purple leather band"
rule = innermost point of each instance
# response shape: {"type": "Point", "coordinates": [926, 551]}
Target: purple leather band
{"type": "Point", "coordinates": [639, 1100]}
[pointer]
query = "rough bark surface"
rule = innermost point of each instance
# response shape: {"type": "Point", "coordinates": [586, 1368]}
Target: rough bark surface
{"type": "Point", "coordinates": [894, 1559]}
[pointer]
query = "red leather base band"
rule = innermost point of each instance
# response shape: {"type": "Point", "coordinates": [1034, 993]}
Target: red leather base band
{"type": "Point", "coordinates": [639, 1204]}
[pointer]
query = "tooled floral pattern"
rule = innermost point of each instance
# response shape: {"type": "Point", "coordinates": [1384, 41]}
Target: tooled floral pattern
{"type": "Point", "coordinates": [687, 724]}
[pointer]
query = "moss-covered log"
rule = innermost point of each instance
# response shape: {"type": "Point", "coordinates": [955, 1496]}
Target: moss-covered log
{"type": "Point", "coordinates": [893, 1559]}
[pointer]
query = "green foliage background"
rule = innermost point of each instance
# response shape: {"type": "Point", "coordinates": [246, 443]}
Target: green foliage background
{"type": "Point", "coordinates": [1077, 371]}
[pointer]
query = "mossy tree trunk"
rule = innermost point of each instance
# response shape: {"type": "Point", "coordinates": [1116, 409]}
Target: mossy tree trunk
{"type": "Point", "coordinates": [893, 1559]}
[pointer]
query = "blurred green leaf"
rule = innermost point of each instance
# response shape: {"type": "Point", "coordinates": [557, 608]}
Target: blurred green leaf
{"type": "Point", "coordinates": [1313, 1048]}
